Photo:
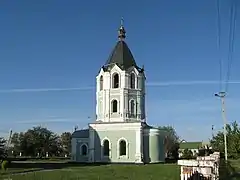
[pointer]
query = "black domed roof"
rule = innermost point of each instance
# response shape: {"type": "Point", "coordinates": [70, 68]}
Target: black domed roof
{"type": "Point", "coordinates": [122, 56]}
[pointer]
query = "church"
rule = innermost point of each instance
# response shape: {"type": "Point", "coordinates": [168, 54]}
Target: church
{"type": "Point", "coordinates": [120, 133]}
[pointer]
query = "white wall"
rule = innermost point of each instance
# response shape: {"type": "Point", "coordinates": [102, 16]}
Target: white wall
{"type": "Point", "coordinates": [123, 95]}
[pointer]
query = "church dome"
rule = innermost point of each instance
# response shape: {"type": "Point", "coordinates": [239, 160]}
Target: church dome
{"type": "Point", "coordinates": [122, 56]}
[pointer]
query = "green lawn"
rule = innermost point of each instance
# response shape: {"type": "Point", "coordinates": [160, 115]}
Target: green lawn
{"type": "Point", "coordinates": [235, 164]}
{"type": "Point", "coordinates": [16, 170]}
{"type": "Point", "coordinates": [229, 171]}
{"type": "Point", "coordinates": [106, 172]}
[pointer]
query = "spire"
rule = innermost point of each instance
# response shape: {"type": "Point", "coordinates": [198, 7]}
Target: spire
{"type": "Point", "coordinates": [121, 32]}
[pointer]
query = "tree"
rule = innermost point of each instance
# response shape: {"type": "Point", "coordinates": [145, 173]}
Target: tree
{"type": "Point", "coordinates": [233, 140]}
{"type": "Point", "coordinates": [43, 140]}
{"type": "Point", "coordinates": [171, 141]}
{"type": "Point", "coordinates": [66, 138]}
{"type": "Point", "coordinates": [37, 141]}
{"type": "Point", "coordinates": [187, 154]}
{"type": "Point", "coordinates": [15, 142]}
{"type": "Point", "coordinates": [3, 153]}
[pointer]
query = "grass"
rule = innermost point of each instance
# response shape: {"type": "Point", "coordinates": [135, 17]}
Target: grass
{"type": "Point", "coordinates": [235, 164]}
{"type": "Point", "coordinates": [105, 172]}
{"type": "Point", "coordinates": [230, 170]}
{"type": "Point", "coordinates": [115, 172]}
{"type": "Point", "coordinates": [16, 170]}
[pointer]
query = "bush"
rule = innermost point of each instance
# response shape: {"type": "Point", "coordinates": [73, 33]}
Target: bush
{"type": "Point", "coordinates": [5, 165]}
{"type": "Point", "coordinates": [187, 154]}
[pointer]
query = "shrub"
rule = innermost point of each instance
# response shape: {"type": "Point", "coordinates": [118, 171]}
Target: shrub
{"type": "Point", "coordinates": [5, 165]}
{"type": "Point", "coordinates": [187, 154]}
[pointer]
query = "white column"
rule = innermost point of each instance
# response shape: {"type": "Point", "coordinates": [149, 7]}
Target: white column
{"type": "Point", "coordinates": [125, 106]}
{"type": "Point", "coordinates": [97, 109]}
{"type": "Point", "coordinates": [138, 107]}
{"type": "Point", "coordinates": [139, 146]}
{"type": "Point", "coordinates": [108, 105]}
{"type": "Point", "coordinates": [107, 99]}
{"type": "Point", "coordinates": [122, 104]}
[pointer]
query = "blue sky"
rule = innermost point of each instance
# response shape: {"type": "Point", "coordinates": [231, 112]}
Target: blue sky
{"type": "Point", "coordinates": [52, 51]}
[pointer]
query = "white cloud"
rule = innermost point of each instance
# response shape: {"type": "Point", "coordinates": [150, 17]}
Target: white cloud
{"type": "Point", "coordinates": [48, 120]}
{"type": "Point", "coordinates": [150, 84]}
{"type": "Point", "coordinates": [187, 83]}
{"type": "Point", "coordinates": [45, 90]}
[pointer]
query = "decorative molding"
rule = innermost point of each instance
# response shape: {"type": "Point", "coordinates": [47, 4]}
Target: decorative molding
{"type": "Point", "coordinates": [133, 69]}
{"type": "Point", "coordinates": [151, 132]}
{"type": "Point", "coordinates": [118, 148]}
{"type": "Point", "coordinates": [102, 148]}
{"type": "Point", "coordinates": [116, 68]}
{"type": "Point", "coordinates": [84, 144]}
{"type": "Point", "coordinates": [116, 126]}
{"type": "Point", "coordinates": [130, 106]}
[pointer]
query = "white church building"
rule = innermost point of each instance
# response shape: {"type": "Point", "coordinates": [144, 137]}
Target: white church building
{"type": "Point", "coordinates": [120, 133]}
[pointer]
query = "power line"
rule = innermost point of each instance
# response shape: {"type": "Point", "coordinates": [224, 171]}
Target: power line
{"type": "Point", "coordinates": [219, 42]}
{"type": "Point", "coordinates": [232, 29]}
{"type": "Point", "coordinates": [222, 94]}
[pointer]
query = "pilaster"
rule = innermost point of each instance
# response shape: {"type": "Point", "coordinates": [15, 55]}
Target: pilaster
{"type": "Point", "coordinates": [139, 146]}
{"type": "Point", "coordinates": [91, 157]}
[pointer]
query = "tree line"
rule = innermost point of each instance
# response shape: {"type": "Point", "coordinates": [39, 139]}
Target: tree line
{"type": "Point", "coordinates": [41, 142]}
{"type": "Point", "coordinates": [233, 141]}
{"type": "Point", "coordinates": [37, 142]}
{"type": "Point", "coordinates": [216, 143]}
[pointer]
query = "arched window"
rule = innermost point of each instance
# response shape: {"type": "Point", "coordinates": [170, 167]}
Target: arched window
{"type": "Point", "coordinates": [132, 107]}
{"type": "Point", "coordinates": [132, 81]}
{"type": "Point", "coordinates": [106, 148]}
{"type": "Point", "coordinates": [122, 148]}
{"type": "Point", "coordinates": [84, 150]}
{"type": "Point", "coordinates": [114, 106]}
{"type": "Point", "coordinates": [101, 83]}
{"type": "Point", "coordinates": [116, 81]}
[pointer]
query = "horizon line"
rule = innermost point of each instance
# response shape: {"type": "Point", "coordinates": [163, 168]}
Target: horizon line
{"type": "Point", "coordinates": [151, 84]}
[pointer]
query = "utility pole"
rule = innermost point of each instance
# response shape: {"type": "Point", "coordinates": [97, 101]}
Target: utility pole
{"type": "Point", "coordinates": [222, 95]}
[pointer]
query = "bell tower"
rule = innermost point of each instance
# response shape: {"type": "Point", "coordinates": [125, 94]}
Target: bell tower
{"type": "Point", "coordinates": [120, 86]}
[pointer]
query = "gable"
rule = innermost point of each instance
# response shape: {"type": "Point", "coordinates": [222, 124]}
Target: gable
{"type": "Point", "coordinates": [116, 69]}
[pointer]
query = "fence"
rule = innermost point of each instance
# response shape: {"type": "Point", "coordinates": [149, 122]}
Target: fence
{"type": "Point", "coordinates": [203, 168]}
